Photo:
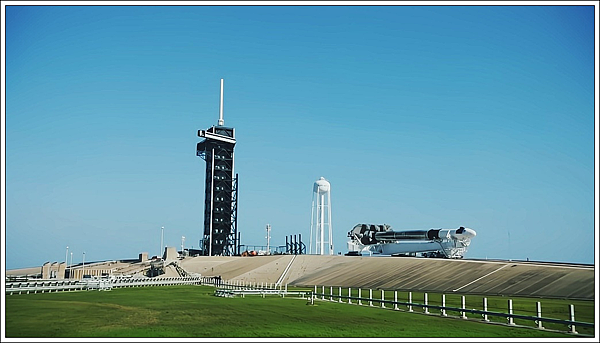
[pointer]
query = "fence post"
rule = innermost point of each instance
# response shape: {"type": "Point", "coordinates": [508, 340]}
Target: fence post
{"type": "Point", "coordinates": [426, 309]}
{"type": "Point", "coordinates": [359, 297]}
{"type": "Point", "coordinates": [349, 295]}
{"type": "Point", "coordinates": [444, 305]}
{"type": "Point", "coordinates": [370, 296]}
{"type": "Point", "coordinates": [382, 298]}
{"type": "Point", "coordinates": [572, 318]}
{"type": "Point", "coordinates": [538, 310]}
{"type": "Point", "coordinates": [323, 294]}
{"type": "Point", "coordinates": [396, 300]}
{"type": "Point", "coordinates": [510, 311]}
{"type": "Point", "coordinates": [485, 315]}
{"type": "Point", "coordinates": [330, 293]}
{"type": "Point", "coordinates": [410, 302]}
{"type": "Point", "coordinates": [340, 295]}
{"type": "Point", "coordinates": [463, 314]}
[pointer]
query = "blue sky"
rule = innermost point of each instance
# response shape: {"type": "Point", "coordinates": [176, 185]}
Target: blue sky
{"type": "Point", "coordinates": [419, 116]}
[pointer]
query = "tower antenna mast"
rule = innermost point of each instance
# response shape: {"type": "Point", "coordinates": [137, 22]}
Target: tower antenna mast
{"type": "Point", "coordinates": [221, 121]}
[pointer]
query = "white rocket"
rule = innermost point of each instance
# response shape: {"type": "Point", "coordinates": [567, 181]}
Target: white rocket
{"type": "Point", "coordinates": [382, 240]}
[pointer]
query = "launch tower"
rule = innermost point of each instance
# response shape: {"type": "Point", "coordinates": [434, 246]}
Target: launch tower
{"type": "Point", "coordinates": [220, 236]}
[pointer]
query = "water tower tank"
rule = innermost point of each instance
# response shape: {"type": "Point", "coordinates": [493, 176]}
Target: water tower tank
{"type": "Point", "coordinates": [322, 185]}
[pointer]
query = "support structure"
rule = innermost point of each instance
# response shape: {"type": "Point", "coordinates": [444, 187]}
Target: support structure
{"type": "Point", "coordinates": [294, 245]}
{"type": "Point", "coordinates": [220, 236]}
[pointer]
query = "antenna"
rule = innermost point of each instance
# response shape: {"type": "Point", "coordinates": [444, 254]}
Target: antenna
{"type": "Point", "coordinates": [221, 121]}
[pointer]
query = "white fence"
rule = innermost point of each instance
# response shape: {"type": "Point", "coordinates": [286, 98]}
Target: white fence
{"type": "Point", "coordinates": [509, 315]}
{"type": "Point", "coordinates": [47, 286]}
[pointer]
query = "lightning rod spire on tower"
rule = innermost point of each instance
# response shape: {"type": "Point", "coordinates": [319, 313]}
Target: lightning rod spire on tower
{"type": "Point", "coordinates": [221, 121]}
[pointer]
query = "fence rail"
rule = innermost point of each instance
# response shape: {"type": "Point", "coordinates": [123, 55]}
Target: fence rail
{"type": "Point", "coordinates": [228, 293]}
{"type": "Point", "coordinates": [509, 315]}
{"type": "Point", "coordinates": [94, 284]}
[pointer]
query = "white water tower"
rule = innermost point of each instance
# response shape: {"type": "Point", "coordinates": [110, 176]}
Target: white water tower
{"type": "Point", "coordinates": [321, 242]}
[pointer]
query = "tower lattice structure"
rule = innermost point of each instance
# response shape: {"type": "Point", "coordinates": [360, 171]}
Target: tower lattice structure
{"type": "Point", "coordinates": [220, 236]}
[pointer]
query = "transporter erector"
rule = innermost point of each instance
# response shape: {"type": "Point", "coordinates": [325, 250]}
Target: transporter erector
{"type": "Point", "coordinates": [383, 241]}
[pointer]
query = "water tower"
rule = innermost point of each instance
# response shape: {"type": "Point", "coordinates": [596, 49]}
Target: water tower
{"type": "Point", "coordinates": [321, 242]}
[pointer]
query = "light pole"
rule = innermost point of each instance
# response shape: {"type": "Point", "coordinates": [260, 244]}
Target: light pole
{"type": "Point", "coordinates": [268, 239]}
{"type": "Point", "coordinates": [83, 266]}
{"type": "Point", "coordinates": [66, 259]}
{"type": "Point", "coordinates": [70, 265]}
{"type": "Point", "coordinates": [162, 238]}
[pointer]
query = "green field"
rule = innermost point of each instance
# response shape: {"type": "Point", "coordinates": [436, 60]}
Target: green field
{"type": "Point", "coordinates": [193, 311]}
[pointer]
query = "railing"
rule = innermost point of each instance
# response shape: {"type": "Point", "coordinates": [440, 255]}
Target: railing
{"type": "Point", "coordinates": [229, 293]}
{"type": "Point", "coordinates": [509, 315]}
{"type": "Point", "coordinates": [44, 286]}
{"type": "Point", "coordinates": [234, 288]}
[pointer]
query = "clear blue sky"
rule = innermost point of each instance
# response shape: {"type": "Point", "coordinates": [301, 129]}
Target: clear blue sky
{"type": "Point", "coordinates": [420, 117]}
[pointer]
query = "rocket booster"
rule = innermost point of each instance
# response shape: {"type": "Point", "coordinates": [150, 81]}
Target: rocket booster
{"type": "Point", "coordinates": [426, 235]}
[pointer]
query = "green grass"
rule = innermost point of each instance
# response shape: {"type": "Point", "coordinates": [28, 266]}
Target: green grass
{"type": "Point", "coordinates": [193, 311]}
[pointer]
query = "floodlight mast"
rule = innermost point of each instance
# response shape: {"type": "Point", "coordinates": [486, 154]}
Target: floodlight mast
{"type": "Point", "coordinates": [162, 239]}
{"type": "Point", "coordinates": [268, 239]}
